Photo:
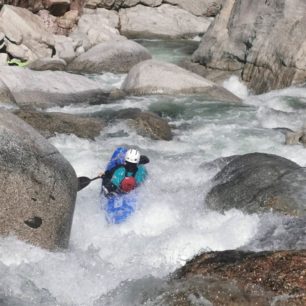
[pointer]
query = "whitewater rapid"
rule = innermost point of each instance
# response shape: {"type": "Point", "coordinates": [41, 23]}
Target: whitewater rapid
{"type": "Point", "coordinates": [171, 224]}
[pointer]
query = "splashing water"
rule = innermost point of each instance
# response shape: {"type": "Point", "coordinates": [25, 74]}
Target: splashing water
{"type": "Point", "coordinates": [171, 224]}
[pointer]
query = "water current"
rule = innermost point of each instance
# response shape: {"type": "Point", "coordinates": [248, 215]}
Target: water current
{"type": "Point", "coordinates": [171, 224]}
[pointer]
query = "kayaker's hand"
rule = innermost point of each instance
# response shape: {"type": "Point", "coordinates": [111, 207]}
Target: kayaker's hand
{"type": "Point", "coordinates": [101, 174]}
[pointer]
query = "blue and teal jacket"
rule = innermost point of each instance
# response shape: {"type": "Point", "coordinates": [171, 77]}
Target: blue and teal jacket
{"type": "Point", "coordinates": [121, 173]}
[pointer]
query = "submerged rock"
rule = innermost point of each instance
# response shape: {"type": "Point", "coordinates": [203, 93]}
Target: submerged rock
{"type": "Point", "coordinates": [37, 186]}
{"type": "Point", "coordinates": [48, 124]}
{"type": "Point", "coordinates": [260, 182]}
{"type": "Point", "coordinates": [50, 88]}
{"type": "Point", "coordinates": [156, 77]}
{"type": "Point", "coordinates": [112, 56]}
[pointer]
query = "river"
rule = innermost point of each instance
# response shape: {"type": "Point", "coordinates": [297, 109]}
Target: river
{"type": "Point", "coordinates": [171, 224]}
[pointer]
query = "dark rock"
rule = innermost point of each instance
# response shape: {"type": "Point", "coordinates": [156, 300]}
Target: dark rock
{"type": "Point", "coordinates": [151, 125]}
{"type": "Point", "coordinates": [259, 182]}
{"type": "Point", "coordinates": [263, 274]}
{"type": "Point", "coordinates": [147, 124]}
{"type": "Point", "coordinates": [48, 124]}
{"type": "Point", "coordinates": [36, 182]}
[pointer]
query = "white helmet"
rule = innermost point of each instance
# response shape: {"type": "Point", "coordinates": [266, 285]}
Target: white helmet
{"type": "Point", "coordinates": [132, 156]}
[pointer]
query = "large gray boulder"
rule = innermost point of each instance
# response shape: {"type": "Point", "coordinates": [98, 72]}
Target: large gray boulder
{"type": "Point", "coordinates": [156, 77]}
{"type": "Point", "coordinates": [37, 186]}
{"type": "Point", "coordinates": [50, 88]}
{"type": "Point", "coordinates": [259, 182]}
{"type": "Point", "coordinates": [264, 40]}
{"type": "Point", "coordinates": [26, 36]}
{"type": "Point", "coordinates": [165, 21]}
{"type": "Point", "coordinates": [111, 56]}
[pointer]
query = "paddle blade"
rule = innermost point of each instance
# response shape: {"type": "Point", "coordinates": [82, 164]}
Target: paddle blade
{"type": "Point", "coordinates": [83, 182]}
{"type": "Point", "coordinates": [143, 160]}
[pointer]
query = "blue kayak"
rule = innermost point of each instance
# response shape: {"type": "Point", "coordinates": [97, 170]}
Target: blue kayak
{"type": "Point", "coordinates": [119, 207]}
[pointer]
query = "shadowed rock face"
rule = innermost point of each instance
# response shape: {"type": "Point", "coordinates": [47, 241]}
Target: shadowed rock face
{"type": "Point", "coordinates": [48, 124]}
{"type": "Point", "coordinates": [259, 182]}
{"type": "Point", "coordinates": [147, 124]}
{"type": "Point", "coordinates": [37, 186]}
{"type": "Point", "coordinates": [264, 40]}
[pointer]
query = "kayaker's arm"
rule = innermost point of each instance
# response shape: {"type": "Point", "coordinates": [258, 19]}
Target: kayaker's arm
{"type": "Point", "coordinates": [141, 174]}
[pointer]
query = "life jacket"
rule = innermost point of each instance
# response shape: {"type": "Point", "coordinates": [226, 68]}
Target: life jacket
{"type": "Point", "coordinates": [128, 184]}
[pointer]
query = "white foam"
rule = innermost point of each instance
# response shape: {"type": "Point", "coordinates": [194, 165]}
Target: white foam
{"type": "Point", "coordinates": [234, 85]}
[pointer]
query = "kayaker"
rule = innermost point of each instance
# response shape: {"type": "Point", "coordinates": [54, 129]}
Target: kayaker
{"type": "Point", "coordinates": [126, 177]}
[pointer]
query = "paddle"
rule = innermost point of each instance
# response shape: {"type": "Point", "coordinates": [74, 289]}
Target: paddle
{"type": "Point", "coordinates": [85, 181]}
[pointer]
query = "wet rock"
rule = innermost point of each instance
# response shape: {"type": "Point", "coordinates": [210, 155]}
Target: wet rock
{"type": "Point", "coordinates": [259, 182]}
{"type": "Point", "coordinates": [273, 275]}
{"type": "Point", "coordinates": [293, 138]}
{"type": "Point", "coordinates": [155, 77]}
{"type": "Point", "coordinates": [165, 21]}
{"type": "Point", "coordinates": [48, 124]}
{"type": "Point", "coordinates": [112, 56]}
{"type": "Point", "coordinates": [150, 125]}
{"type": "Point", "coordinates": [36, 182]}
{"type": "Point", "coordinates": [263, 40]}
{"type": "Point", "coordinates": [275, 233]}
{"type": "Point", "coordinates": [50, 88]}
{"type": "Point", "coordinates": [147, 124]}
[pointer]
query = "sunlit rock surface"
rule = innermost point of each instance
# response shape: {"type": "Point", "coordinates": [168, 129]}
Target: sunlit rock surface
{"type": "Point", "coordinates": [264, 40]}
{"type": "Point", "coordinates": [49, 88]}
{"type": "Point", "coordinates": [258, 182]}
{"type": "Point", "coordinates": [37, 186]}
{"type": "Point", "coordinates": [112, 56]}
{"type": "Point", "coordinates": [165, 21]}
{"type": "Point", "coordinates": [26, 36]}
{"type": "Point", "coordinates": [156, 77]}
